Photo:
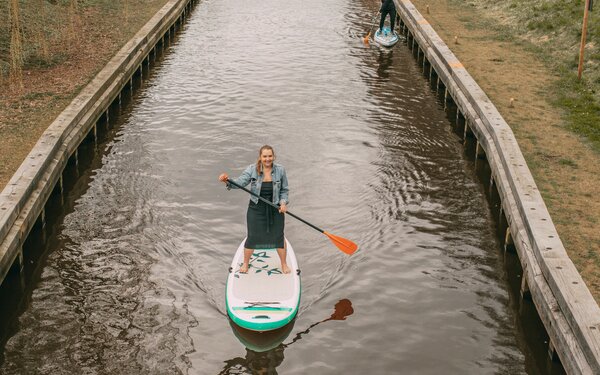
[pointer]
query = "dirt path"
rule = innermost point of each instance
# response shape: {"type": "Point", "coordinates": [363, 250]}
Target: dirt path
{"type": "Point", "coordinates": [565, 169]}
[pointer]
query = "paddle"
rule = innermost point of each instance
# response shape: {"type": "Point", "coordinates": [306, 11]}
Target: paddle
{"type": "Point", "coordinates": [366, 38]}
{"type": "Point", "coordinates": [343, 244]}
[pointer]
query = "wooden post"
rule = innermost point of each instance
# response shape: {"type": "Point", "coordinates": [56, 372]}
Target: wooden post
{"type": "Point", "coordinates": [445, 99]}
{"type": "Point", "coordinates": [479, 155]}
{"type": "Point", "coordinates": [468, 133]}
{"type": "Point", "coordinates": [62, 190]}
{"type": "Point", "coordinates": [479, 151]}
{"type": "Point", "coordinates": [460, 123]}
{"type": "Point", "coordinates": [509, 245]}
{"type": "Point", "coordinates": [552, 355]}
{"type": "Point", "coordinates": [43, 217]}
{"type": "Point", "coordinates": [524, 290]}
{"type": "Point", "coordinates": [583, 35]}
{"type": "Point", "coordinates": [21, 270]}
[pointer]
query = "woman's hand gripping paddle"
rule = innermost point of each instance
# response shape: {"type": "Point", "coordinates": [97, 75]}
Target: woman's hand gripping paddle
{"type": "Point", "coordinates": [341, 243]}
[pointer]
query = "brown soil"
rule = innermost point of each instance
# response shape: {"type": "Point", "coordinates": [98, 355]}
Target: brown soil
{"type": "Point", "coordinates": [565, 168]}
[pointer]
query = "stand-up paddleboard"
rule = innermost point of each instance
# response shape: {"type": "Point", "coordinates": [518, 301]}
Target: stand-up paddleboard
{"type": "Point", "coordinates": [264, 298]}
{"type": "Point", "coordinates": [386, 38]}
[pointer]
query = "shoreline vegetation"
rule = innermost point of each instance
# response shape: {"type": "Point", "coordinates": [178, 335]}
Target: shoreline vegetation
{"type": "Point", "coordinates": [551, 29]}
{"type": "Point", "coordinates": [523, 54]}
{"type": "Point", "coordinates": [49, 51]}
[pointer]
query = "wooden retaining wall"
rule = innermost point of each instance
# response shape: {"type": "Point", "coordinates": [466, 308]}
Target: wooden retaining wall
{"type": "Point", "coordinates": [565, 305]}
{"type": "Point", "coordinates": [23, 200]}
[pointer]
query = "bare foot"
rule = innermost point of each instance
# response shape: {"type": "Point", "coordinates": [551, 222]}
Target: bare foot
{"type": "Point", "coordinates": [244, 268]}
{"type": "Point", "coordinates": [285, 268]}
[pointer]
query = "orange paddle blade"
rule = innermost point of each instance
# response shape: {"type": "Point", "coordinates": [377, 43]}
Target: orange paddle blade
{"type": "Point", "coordinates": [366, 38]}
{"type": "Point", "coordinates": [343, 244]}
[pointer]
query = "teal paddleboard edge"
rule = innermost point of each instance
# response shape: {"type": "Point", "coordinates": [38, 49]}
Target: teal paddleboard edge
{"type": "Point", "coordinates": [267, 326]}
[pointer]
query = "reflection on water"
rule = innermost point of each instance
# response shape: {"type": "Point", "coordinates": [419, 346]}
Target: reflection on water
{"type": "Point", "coordinates": [265, 350]}
{"type": "Point", "coordinates": [384, 61]}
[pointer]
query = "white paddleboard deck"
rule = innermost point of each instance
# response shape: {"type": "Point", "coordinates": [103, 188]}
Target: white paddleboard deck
{"type": "Point", "coordinates": [264, 298]}
{"type": "Point", "coordinates": [386, 38]}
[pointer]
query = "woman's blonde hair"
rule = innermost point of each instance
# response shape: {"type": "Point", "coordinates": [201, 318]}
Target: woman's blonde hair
{"type": "Point", "coordinates": [258, 163]}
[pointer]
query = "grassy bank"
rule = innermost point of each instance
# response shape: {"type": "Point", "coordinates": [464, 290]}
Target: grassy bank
{"type": "Point", "coordinates": [552, 30]}
{"type": "Point", "coordinates": [62, 45]}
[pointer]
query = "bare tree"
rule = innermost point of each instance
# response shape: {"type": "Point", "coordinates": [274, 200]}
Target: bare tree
{"type": "Point", "coordinates": [42, 41]}
{"type": "Point", "coordinates": [74, 35]}
{"type": "Point", "coordinates": [16, 48]}
{"type": "Point", "coordinates": [126, 10]}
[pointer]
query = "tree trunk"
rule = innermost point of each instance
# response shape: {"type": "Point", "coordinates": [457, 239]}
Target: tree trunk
{"type": "Point", "coordinates": [73, 37]}
{"type": "Point", "coordinates": [126, 10]}
{"type": "Point", "coordinates": [43, 50]}
{"type": "Point", "coordinates": [16, 48]}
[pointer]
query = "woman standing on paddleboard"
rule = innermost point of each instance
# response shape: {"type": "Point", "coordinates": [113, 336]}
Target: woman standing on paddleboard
{"type": "Point", "coordinates": [265, 224]}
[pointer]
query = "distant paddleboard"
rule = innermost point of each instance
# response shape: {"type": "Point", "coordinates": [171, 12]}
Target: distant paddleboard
{"type": "Point", "coordinates": [265, 298]}
{"type": "Point", "coordinates": [386, 38]}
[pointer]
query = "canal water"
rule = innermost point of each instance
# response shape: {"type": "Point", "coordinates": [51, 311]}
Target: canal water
{"type": "Point", "coordinates": [134, 280]}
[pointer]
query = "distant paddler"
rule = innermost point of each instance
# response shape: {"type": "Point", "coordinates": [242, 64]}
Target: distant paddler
{"type": "Point", "coordinates": [387, 7]}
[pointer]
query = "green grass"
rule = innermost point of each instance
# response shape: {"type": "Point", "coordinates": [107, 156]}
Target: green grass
{"type": "Point", "coordinates": [567, 162]}
{"type": "Point", "coordinates": [582, 108]}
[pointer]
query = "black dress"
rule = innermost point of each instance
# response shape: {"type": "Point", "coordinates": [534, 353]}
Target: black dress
{"type": "Point", "coordinates": [265, 223]}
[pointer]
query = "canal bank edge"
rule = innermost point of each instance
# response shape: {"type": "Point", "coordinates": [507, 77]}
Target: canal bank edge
{"type": "Point", "coordinates": [565, 305]}
{"type": "Point", "coordinates": [23, 199]}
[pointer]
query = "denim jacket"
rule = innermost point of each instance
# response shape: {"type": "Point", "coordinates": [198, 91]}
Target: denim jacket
{"type": "Point", "coordinates": [251, 176]}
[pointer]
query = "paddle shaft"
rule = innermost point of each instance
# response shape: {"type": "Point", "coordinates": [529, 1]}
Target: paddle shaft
{"type": "Point", "coordinates": [275, 206]}
{"type": "Point", "coordinates": [373, 22]}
